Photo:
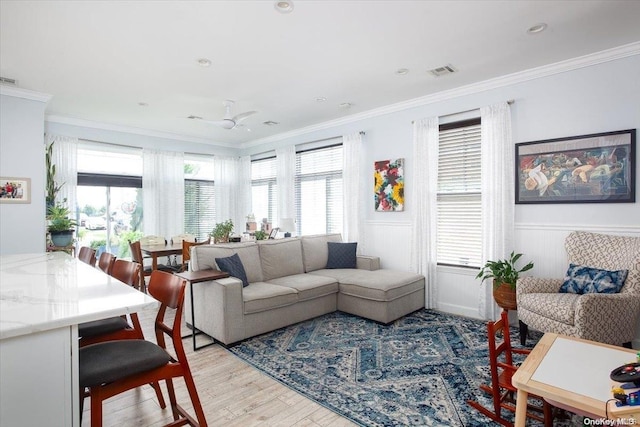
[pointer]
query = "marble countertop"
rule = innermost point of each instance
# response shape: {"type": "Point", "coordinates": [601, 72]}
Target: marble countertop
{"type": "Point", "coordinates": [50, 290]}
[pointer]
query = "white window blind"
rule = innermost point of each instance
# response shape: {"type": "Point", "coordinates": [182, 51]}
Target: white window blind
{"type": "Point", "coordinates": [199, 192]}
{"type": "Point", "coordinates": [459, 194]}
{"type": "Point", "coordinates": [264, 189]}
{"type": "Point", "coordinates": [318, 189]}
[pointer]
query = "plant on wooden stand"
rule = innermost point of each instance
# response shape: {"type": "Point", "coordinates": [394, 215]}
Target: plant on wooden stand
{"type": "Point", "coordinates": [61, 227]}
{"type": "Point", "coordinates": [505, 275]}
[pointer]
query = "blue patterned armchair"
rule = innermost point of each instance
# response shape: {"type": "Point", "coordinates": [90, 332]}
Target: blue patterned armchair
{"type": "Point", "coordinates": [612, 318]}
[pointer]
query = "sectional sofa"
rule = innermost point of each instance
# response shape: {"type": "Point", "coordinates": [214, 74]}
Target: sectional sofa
{"type": "Point", "coordinates": [289, 283]}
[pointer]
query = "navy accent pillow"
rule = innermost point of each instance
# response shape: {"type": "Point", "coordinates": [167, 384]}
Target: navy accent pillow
{"type": "Point", "coordinates": [581, 279]}
{"type": "Point", "coordinates": [233, 266]}
{"type": "Point", "coordinates": [342, 255]}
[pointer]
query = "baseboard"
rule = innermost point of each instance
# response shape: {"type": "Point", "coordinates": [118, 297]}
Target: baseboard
{"type": "Point", "coordinates": [459, 310]}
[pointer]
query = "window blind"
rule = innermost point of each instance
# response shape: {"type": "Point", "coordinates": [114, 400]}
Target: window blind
{"type": "Point", "coordinates": [318, 188]}
{"type": "Point", "coordinates": [199, 208]}
{"type": "Point", "coordinates": [264, 189]}
{"type": "Point", "coordinates": [459, 195]}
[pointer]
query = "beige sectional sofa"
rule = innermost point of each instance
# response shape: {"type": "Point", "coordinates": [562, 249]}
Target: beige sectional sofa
{"type": "Point", "coordinates": [289, 283]}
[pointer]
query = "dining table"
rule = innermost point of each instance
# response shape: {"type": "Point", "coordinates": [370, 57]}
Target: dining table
{"type": "Point", "coordinates": [155, 251]}
{"type": "Point", "coordinates": [43, 298]}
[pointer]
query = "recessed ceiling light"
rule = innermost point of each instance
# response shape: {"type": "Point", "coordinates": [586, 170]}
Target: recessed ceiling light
{"type": "Point", "coordinates": [538, 28]}
{"type": "Point", "coordinates": [321, 99]}
{"type": "Point", "coordinates": [402, 71]}
{"type": "Point", "coordinates": [345, 105]}
{"type": "Point", "coordinates": [203, 62]}
{"type": "Point", "coordinates": [283, 6]}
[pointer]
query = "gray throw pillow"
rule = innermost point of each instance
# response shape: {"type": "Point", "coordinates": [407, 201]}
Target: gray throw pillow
{"type": "Point", "coordinates": [233, 266]}
{"type": "Point", "coordinates": [342, 255]}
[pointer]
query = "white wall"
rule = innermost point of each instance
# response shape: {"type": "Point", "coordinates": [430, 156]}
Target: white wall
{"type": "Point", "coordinates": [22, 226]}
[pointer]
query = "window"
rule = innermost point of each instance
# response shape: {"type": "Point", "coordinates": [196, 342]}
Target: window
{"type": "Point", "coordinates": [264, 189]}
{"type": "Point", "coordinates": [318, 188]}
{"type": "Point", "coordinates": [459, 194]}
{"type": "Point", "coordinates": [199, 192]}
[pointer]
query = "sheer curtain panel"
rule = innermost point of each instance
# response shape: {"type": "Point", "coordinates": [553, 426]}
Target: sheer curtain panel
{"type": "Point", "coordinates": [352, 181]}
{"type": "Point", "coordinates": [285, 178]}
{"type": "Point", "coordinates": [65, 157]}
{"type": "Point", "coordinates": [424, 212]}
{"type": "Point", "coordinates": [163, 192]}
{"type": "Point", "coordinates": [497, 195]}
{"type": "Point", "coordinates": [227, 173]}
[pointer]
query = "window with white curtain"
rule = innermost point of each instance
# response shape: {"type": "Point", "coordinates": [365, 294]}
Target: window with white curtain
{"type": "Point", "coordinates": [318, 190]}
{"type": "Point", "coordinates": [459, 194]}
{"type": "Point", "coordinates": [199, 192]}
{"type": "Point", "coordinates": [264, 189]}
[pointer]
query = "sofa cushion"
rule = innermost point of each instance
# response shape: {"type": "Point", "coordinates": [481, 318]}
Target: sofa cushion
{"type": "Point", "coordinates": [315, 250]}
{"type": "Point", "coordinates": [308, 285]}
{"type": "Point", "coordinates": [204, 257]}
{"type": "Point", "coordinates": [341, 255]}
{"type": "Point", "coordinates": [559, 307]}
{"type": "Point", "coordinates": [378, 285]}
{"type": "Point", "coordinates": [581, 279]}
{"type": "Point", "coordinates": [262, 296]}
{"type": "Point", "coordinates": [279, 258]}
{"type": "Point", "coordinates": [234, 267]}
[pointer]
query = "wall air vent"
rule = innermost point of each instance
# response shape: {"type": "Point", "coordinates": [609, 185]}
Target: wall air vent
{"type": "Point", "coordinates": [9, 82]}
{"type": "Point", "coordinates": [444, 70]}
{"type": "Point", "coordinates": [270, 123]}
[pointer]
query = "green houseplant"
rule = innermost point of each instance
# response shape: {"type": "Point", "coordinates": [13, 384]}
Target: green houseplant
{"type": "Point", "coordinates": [505, 274]}
{"type": "Point", "coordinates": [52, 187]}
{"type": "Point", "coordinates": [260, 235]}
{"type": "Point", "coordinates": [61, 226]}
{"type": "Point", "coordinates": [221, 231]}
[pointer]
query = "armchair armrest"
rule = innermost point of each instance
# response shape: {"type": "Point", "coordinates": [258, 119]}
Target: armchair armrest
{"type": "Point", "coordinates": [608, 318]}
{"type": "Point", "coordinates": [368, 262]}
{"type": "Point", "coordinates": [537, 285]}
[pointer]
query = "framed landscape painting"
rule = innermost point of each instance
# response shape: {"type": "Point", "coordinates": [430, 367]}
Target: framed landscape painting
{"type": "Point", "coordinates": [15, 190]}
{"type": "Point", "coordinates": [596, 168]}
{"type": "Point", "coordinates": [388, 185]}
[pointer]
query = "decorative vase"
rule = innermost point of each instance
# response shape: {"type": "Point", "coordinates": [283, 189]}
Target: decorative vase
{"type": "Point", "coordinates": [505, 296]}
{"type": "Point", "coordinates": [62, 239]}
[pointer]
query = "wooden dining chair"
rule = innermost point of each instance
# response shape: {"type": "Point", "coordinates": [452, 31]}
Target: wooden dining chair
{"type": "Point", "coordinates": [87, 255]}
{"type": "Point", "coordinates": [145, 270]}
{"type": "Point", "coordinates": [110, 368]}
{"type": "Point", "coordinates": [186, 252]}
{"type": "Point", "coordinates": [105, 262]}
{"type": "Point", "coordinates": [118, 327]}
{"type": "Point", "coordinates": [502, 369]}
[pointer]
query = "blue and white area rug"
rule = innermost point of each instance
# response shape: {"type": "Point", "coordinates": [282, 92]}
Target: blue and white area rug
{"type": "Point", "coordinates": [417, 371]}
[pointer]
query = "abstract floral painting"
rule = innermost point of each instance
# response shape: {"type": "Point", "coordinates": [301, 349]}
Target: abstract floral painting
{"type": "Point", "coordinates": [388, 187]}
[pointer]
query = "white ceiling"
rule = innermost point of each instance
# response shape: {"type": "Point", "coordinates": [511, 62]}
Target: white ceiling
{"type": "Point", "coordinates": [100, 59]}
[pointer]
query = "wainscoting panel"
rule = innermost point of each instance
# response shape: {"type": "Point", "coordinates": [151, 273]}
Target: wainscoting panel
{"type": "Point", "coordinates": [391, 241]}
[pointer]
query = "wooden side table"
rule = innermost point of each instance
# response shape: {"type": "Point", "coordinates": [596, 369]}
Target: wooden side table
{"type": "Point", "coordinates": [197, 277]}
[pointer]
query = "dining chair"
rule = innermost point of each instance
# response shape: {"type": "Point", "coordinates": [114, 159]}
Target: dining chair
{"type": "Point", "coordinates": [186, 252]}
{"type": "Point", "coordinates": [87, 255]}
{"type": "Point", "coordinates": [110, 368]}
{"type": "Point", "coordinates": [502, 368]}
{"type": "Point", "coordinates": [105, 262]}
{"type": "Point", "coordinates": [145, 270]}
{"type": "Point", "coordinates": [176, 240]}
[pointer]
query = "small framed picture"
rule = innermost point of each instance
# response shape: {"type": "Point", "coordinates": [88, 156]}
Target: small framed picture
{"type": "Point", "coordinates": [274, 232]}
{"type": "Point", "coordinates": [15, 190]}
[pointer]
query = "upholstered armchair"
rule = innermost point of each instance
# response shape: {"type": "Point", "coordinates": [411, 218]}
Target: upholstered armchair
{"type": "Point", "coordinates": [611, 318]}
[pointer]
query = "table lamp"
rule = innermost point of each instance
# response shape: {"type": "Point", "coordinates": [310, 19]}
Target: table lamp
{"type": "Point", "coordinates": [288, 226]}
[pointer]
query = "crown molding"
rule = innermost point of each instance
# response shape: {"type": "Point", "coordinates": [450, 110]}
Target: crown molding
{"type": "Point", "coordinates": [72, 121]}
{"type": "Point", "coordinates": [31, 95]}
{"type": "Point", "coordinates": [608, 55]}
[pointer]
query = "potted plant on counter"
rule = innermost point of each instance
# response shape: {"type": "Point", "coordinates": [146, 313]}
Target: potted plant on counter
{"type": "Point", "coordinates": [505, 274]}
{"type": "Point", "coordinates": [61, 226]}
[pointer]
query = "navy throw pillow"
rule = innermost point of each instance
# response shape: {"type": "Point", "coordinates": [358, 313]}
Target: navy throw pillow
{"type": "Point", "coordinates": [581, 279]}
{"type": "Point", "coordinates": [342, 255]}
{"type": "Point", "coordinates": [233, 266]}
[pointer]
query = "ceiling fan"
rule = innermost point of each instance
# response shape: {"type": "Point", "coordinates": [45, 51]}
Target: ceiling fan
{"type": "Point", "coordinates": [229, 121]}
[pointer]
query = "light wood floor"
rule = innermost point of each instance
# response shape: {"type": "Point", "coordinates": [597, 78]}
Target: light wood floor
{"type": "Point", "coordinates": [232, 393]}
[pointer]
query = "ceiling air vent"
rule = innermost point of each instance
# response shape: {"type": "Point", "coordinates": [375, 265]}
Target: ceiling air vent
{"type": "Point", "coordinates": [444, 70]}
{"type": "Point", "coordinates": [270, 123]}
{"type": "Point", "coordinates": [8, 81]}
{"type": "Point", "coordinates": [194, 117]}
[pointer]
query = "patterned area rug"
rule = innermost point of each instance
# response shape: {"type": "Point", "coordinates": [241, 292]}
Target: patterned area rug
{"type": "Point", "coordinates": [418, 371]}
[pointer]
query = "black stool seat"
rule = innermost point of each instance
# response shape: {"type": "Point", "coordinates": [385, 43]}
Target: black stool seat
{"type": "Point", "coordinates": [102, 326]}
{"type": "Point", "coordinates": [106, 362]}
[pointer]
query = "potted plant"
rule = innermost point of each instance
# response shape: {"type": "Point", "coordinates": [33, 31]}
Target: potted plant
{"type": "Point", "coordinates": [260, 235]}
{"type": "Point", "coordinates": [505, 275]}
{"type": "Point", "coordinates": [52, 187]}
{"type": "Point", "coordinates": [61, 227]}
{"type": "Point", "coordinates": [221, 231]}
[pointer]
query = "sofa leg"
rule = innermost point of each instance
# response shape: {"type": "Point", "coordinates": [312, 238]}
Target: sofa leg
{"type": "Point", "coordinates": [524, 329]}
{"type": "Point", "coordinates": [627, 344]}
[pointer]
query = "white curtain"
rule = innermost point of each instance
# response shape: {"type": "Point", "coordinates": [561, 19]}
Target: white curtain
{"type": "Point", "coordinates": [163, 193]}
{"type": "Point", "coordinates": [244, 190]}
{"type": "Point", "coordinates": [424, 212]}
{"type": "Point", "coordinates": [227, 177]}
{"type": "Point", "coordinates": [65, 157]}
{"type": "Point", "coordinates": [285, 178]}
{"type": "Point", "coordinates": [352, 181]}
{"type": "Point", "coordinates": [497, 157]}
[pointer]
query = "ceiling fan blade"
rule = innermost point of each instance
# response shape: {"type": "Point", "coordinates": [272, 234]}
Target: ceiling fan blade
{"type": "Point", "coordinates": [242, 116]}
{"type": "Point", "coordinates": [225, 123]}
